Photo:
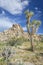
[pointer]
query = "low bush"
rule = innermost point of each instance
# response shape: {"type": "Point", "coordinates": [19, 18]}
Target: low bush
{"type": "Point", "coordinates": [16, 41]}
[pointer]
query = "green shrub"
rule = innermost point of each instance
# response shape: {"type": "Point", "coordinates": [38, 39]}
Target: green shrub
{"type": "Point", "coordinates": [16, 41]}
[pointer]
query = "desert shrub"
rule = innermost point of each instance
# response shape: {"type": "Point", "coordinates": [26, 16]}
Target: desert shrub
{"type": "Point", "coordinates": [2, 62]}
{"type": "Point", "coordinates": [19, 41]}
{"type": "Point", "coordinates": [39, 46]}
{"type": "Point", "coordinates": [2, 44]}
{"type": "Point", "coordinates": [6, 55]}
{"type": "Point", "coordinates": [16, 41]}
{"type": "Point", "coordinates": [41, 40]}
{"type": "Point", "coordinates": [11, 42]}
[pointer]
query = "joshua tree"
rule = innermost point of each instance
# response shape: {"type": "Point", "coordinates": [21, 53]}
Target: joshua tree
{"type": "Point", "coordinates": [28, 16]}
{"type": "Point", "coordinates": [36, 24]}
{"type": "Point", "coordinates": [32, 27]}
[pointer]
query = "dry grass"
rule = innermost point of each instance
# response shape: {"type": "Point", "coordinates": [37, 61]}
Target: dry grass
{"type": "Point", "coordinates": [24, 54]}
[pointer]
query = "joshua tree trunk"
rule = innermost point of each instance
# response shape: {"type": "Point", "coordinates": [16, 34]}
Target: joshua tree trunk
{"type": "Point", "coordinates": [29, 34]}
{"type": "Point", "coordinates": [32, 42]}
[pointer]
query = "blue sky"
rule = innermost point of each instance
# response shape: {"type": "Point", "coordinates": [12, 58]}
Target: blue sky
{"type": "Point", "coordinates": [12, 12]}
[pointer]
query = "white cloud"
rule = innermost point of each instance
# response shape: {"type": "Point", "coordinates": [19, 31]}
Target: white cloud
{"type": "Point", "coordinates": [40, 11]}
{"type": "Point", "coordinates": [3, 12]}
{"type": "Point", "coordinates": [13, 6]}
{"type": "Point", "coordinates": [36, 8]}
{"type": "Point", "coordinates": [5, 22]}
{"type": "Point", "coordinates": [24, 28]}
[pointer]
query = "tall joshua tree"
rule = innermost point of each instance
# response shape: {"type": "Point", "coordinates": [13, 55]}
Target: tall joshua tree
{"type": "Point", "coordinates": [32, 27]}
{"type": "Point", "coordinates": [28, 17]}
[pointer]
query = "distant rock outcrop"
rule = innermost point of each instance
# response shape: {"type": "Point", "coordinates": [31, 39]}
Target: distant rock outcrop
{"type": "Point", "coordinates": [15, 31]}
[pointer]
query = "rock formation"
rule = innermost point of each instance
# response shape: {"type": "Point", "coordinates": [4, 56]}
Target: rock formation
{"type": "Point", "coordinates": [15, 31]}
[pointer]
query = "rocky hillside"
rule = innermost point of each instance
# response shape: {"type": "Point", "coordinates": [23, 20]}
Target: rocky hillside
{"type": "Point", "coordinates": [15, 31]}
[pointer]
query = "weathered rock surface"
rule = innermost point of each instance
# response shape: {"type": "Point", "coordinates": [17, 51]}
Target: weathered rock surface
{"type": "Point", "coordinates": [15, 31]}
